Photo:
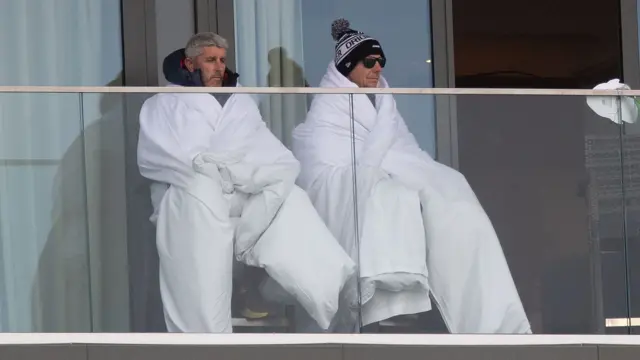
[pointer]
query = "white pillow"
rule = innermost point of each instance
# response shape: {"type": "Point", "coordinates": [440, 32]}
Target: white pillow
{"type": "Point", "coordinates": [299, 252]}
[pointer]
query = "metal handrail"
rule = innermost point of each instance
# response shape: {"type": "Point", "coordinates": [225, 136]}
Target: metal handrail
{"type": "Point", "coordinates": [29, 162]}
{"type": "Point", "coordinates": [312, 90]}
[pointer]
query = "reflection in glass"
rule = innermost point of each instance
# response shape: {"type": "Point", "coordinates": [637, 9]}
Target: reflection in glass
{"type": "Point", "coordinates": [557, 209]}
{"type": "Point", "coordinates": [43, 216]}
{"type": "Point", "coordinates": [63, 218]}
{"type": "Point", "coordinates": [547, 170]}
{"type": "Point", "coordinates": [47, 281]}
{"type": "Point", "coordinates": [628, 323]}
{"type": "Point", "coordinates": [103, 145]}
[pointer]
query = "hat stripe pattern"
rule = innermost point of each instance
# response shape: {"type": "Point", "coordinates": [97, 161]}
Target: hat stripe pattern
{"type": "Point", "coordinates": [348, 43]}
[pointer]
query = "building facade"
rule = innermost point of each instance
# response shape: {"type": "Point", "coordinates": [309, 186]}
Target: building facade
{"type": "Point", "coordinates": [558, 182]}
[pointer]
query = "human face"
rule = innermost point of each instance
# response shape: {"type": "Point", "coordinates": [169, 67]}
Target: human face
{"type": "Point", "coordinates": [367, 77]}
{"type": "Point", "coordinates": [211, 64]}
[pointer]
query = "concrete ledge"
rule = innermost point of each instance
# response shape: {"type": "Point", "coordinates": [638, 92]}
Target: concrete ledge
{"type": "Point", "coordinates": [44, 352]}
{"type": "Point", "coordinates": [315, 347]}
{"type": "Point", "coordinates": [311, 339]}
{"type": "Point", "coordinates": [191, 352]}
{"type": "Point", "coordinates": [318, 352]}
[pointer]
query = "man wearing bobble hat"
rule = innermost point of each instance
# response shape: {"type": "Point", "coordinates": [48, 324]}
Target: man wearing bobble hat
{"type": "Point", "coordinates": [419, 232]}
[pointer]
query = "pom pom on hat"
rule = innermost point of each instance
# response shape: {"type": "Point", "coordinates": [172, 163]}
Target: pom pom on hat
{"type": "Point", "coordinates": [351, 46]}
{"type": "Point", "coordinates": [339, 27]}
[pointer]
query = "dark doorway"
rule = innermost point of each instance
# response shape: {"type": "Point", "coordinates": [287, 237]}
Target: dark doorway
{"type": "Point", "coordinates": [540, 165]}
{"type": "Point", "coordinates": [536, 44]}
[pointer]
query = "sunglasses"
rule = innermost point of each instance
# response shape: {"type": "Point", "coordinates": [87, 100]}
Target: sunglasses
{"type": "Point", "coordinates": [369, 63]}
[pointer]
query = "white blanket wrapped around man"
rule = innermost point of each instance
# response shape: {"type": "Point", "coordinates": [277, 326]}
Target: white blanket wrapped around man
{"type": "Point", "coordinates": [422, 229]}
{"type": "Point", "coordinates": [231, 191]}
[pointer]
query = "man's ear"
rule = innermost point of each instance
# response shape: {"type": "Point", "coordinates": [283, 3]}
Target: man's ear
{"type": "Point", "coordinates": [189, 65]}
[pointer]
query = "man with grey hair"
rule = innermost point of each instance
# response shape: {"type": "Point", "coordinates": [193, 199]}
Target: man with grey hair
{"type": "Point", "coordinates": [224, 185]}
{"type": "Point", "coordinates": [207, 52]}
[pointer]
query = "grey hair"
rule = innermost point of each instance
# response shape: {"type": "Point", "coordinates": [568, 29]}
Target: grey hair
{"type": "Point", "coordinates": [202, 40]}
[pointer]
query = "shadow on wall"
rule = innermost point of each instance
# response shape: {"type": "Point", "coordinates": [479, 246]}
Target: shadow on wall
{"type": "Point", "coordinates": [283, 113]}
{"type": "Point", "coordinates": [146, 313]}
{"type": "Point", "coordinates": [83, 265]}
{"type": "Point", "coordinates": [284, 71]}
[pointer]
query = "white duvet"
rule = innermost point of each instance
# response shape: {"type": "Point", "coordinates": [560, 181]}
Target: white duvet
{"type": "Point", "coordinates": [449, 249]}
{"type": "Point", "coordinates": [231, 192]}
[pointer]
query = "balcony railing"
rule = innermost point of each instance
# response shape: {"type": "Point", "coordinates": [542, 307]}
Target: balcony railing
{"type": "Point", "coordinates": [314, 90]}
{"type": "Point", "coordinates": [559, 183]}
